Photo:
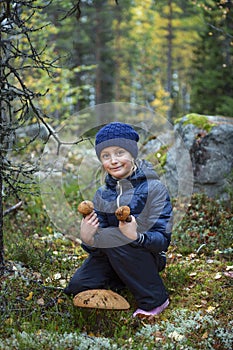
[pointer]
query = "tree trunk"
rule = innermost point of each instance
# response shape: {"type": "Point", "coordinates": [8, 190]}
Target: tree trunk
{"type": "Point", "coordinates": [117, 57]}
{"type": "Point", "coordinates": [169, 57]}
{"type": "Point", "coordinates": [2, 263]}
{"type": "Point", "coordinates": [98, 98]}
{"type": "Point", "coordinates": [1, 163]}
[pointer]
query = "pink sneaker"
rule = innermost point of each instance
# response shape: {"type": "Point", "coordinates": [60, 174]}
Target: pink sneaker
{"type": "Point", "coordinates": [154, 312]}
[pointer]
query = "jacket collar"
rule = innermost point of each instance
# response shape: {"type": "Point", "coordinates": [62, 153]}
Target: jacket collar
{"type": "Point", "coordinates": [143, 172]}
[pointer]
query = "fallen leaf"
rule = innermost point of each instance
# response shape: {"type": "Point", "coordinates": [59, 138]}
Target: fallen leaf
{"type": "Point", "coordinates": [37, 275]}
{"type": "Point", "coordinates": [163, 318]}
{"type": "Point", "coordinates": [211, 234]}
{"type": "Point", "coordinates": [9, 321]}
{"type": "Point", "coordinates": [60, 301]}
{"type": "Point", "coordinates": [218, 276]}
{"type": "Point", "coordinates": [159, 336]}
{"type": "Point", "coordinates": [175, 336]}
{"type": "Point", "coordinates": [210, 261]}
{"type": "Point", "coordinates": [191, 256]}
{"type": "Point", "coordinates": [40, 301]}
{"type": "Point", "coordinates": [210, 309]}
{"type": "Point", "coordinates": [57, 276]}
{"type": "Point", "coordinates": [63, 283]}
{"type": "Point", "coordinates": [205, 293]}
{"type": "Point", "coordinates": [83, 256]}
{"type": "Point", "coordinates": [192, 274]}
{"type": "Point", "coordinates": [229, 268]}
{"type": "Point", "coordinates": [29, 297]}
{"type": "Point", "coordinates": [205, 335]}
{"type": "Point", "coordinates": [91, 334]}
{"type": "Point", "coordinates": [228, 274]}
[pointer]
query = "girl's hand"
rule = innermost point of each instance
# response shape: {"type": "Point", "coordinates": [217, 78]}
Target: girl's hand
{"type": "Point", "coordinates": [89, 226]}
{"type": "Point", "coordinates": [129, 229]}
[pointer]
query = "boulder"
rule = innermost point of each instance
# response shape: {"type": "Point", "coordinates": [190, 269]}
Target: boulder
{"type": "Point", "coordinates": [211, 154]}
{"type": "Point", "coordinates": [212, 159]}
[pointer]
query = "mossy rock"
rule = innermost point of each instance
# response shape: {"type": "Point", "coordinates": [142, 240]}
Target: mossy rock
{"type": "Point", "coordinates": [200, 121]}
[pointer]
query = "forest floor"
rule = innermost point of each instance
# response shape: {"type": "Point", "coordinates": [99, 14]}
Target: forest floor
{"type": "Point", "coordinates": [36, 314]}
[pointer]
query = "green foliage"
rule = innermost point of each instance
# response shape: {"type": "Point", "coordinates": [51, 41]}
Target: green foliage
{"type": "Point", "coordinates": [158, 159]}
{"type": "Point", "coordinates": [161, 155]}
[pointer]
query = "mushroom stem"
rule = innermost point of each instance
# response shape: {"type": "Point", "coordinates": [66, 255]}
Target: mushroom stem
{"type": "Point", "coordinates": [128, 219]}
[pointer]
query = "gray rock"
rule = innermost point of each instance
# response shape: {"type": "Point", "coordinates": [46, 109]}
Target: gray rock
{"type": "Point", "coordinates": [211, 157]}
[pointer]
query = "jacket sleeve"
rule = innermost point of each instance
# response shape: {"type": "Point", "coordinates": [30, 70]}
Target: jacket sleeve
{"type": "Point", "coordinates": [155, 221]}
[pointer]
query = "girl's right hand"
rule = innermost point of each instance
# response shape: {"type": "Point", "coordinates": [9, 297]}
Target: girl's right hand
{"type": "Point", "coordinates": [89, 226]}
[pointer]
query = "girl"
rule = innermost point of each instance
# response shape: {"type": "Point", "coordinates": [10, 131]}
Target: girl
{"type": "Point", "coordinates": [126, 254]}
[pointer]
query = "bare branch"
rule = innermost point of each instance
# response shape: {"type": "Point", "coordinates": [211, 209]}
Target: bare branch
{"type": "Point", "coordinates": [13, 208]}
{"type": "Point", "coordinates": [73, 10]}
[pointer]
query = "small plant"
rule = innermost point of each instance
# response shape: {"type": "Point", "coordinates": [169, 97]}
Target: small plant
{"type": "Point", "coordinates": [206, 223]}
{"type": "Point", "coordinates": [159, 158]}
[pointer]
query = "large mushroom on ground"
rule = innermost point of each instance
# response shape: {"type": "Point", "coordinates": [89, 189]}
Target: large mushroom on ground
{"type": "Point", "coordinates": [123, 213]}
{"type": "Point", "coordinates": [101, 299]}
{"type": "Point", "coordinates": [85, 208]}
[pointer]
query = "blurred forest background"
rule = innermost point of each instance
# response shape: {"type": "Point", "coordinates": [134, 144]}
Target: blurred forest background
{"type": "Point", "coordinates": [174, 56]}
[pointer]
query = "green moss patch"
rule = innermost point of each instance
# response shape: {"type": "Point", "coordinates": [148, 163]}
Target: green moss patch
{"type": "Point", "coordinates": [200, 121]}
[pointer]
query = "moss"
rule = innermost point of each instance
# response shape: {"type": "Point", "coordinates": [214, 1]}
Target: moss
{"type": "Point", "coordinates": [161, 155]}
{"type": "Point", "coordinates": [158, 159]}
{"type": "Point", "coordinates": [200, 121]}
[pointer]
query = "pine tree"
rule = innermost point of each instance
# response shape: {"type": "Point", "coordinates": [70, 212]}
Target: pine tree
{"type": "Point", "coordinates": [212, 73]}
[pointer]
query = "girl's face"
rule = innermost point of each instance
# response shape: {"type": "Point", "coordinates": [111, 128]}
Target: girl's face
{"type": "Point", "coordinates": [117, 161]}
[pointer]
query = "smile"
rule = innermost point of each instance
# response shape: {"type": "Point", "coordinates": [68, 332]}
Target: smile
{"type": "Point", "coordinates": [118, 168]}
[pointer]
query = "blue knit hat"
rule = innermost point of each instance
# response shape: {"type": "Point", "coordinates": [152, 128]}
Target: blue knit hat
{"type": "Point", "coordinates": [117, 134]}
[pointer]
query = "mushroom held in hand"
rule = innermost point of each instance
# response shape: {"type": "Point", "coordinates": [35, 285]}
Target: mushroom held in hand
{"type": "Point", "coordinates": [123, 213]}
{"type": "Point", "coordinates": [85, 208]}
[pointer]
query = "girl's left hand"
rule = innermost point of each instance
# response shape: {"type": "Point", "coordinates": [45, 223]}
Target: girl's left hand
{"type": "Point", "coordinates": [129, 229]}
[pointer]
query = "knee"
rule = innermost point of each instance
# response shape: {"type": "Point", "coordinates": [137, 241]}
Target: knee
{"type": "Point", "coordinates": [75, 286]}
{"type": "Point", "coordinates": [161, 261]}
{"type": "Point", "coordinates": [72, 289]}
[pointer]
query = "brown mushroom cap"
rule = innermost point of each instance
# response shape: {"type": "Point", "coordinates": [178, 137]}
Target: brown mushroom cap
{"type": "Point", "coordinates": [123, 213]}
{"type": "Point", "coordinates": [85, 207]}
{"type": "Point", "coordinates": [101, 299]}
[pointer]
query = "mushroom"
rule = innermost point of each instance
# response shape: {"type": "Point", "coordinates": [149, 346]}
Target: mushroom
{"type": "Point", "coordinates": [101, 299]}
{"type": "Point", "coordinates": [85, 208]}
{"type": "Point", "coordinates": [123, 213]}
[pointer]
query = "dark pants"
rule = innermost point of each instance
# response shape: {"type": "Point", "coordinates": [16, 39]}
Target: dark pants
{"type": "Point", "coordinates": [125, 266]}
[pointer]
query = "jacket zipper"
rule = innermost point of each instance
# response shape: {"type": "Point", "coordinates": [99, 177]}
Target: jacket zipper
{"type": "Point", "coordinates": [120, 194]}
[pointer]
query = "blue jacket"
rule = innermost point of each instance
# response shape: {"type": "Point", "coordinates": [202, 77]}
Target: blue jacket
{"type": "Point", "coordinates": [149, 203]}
